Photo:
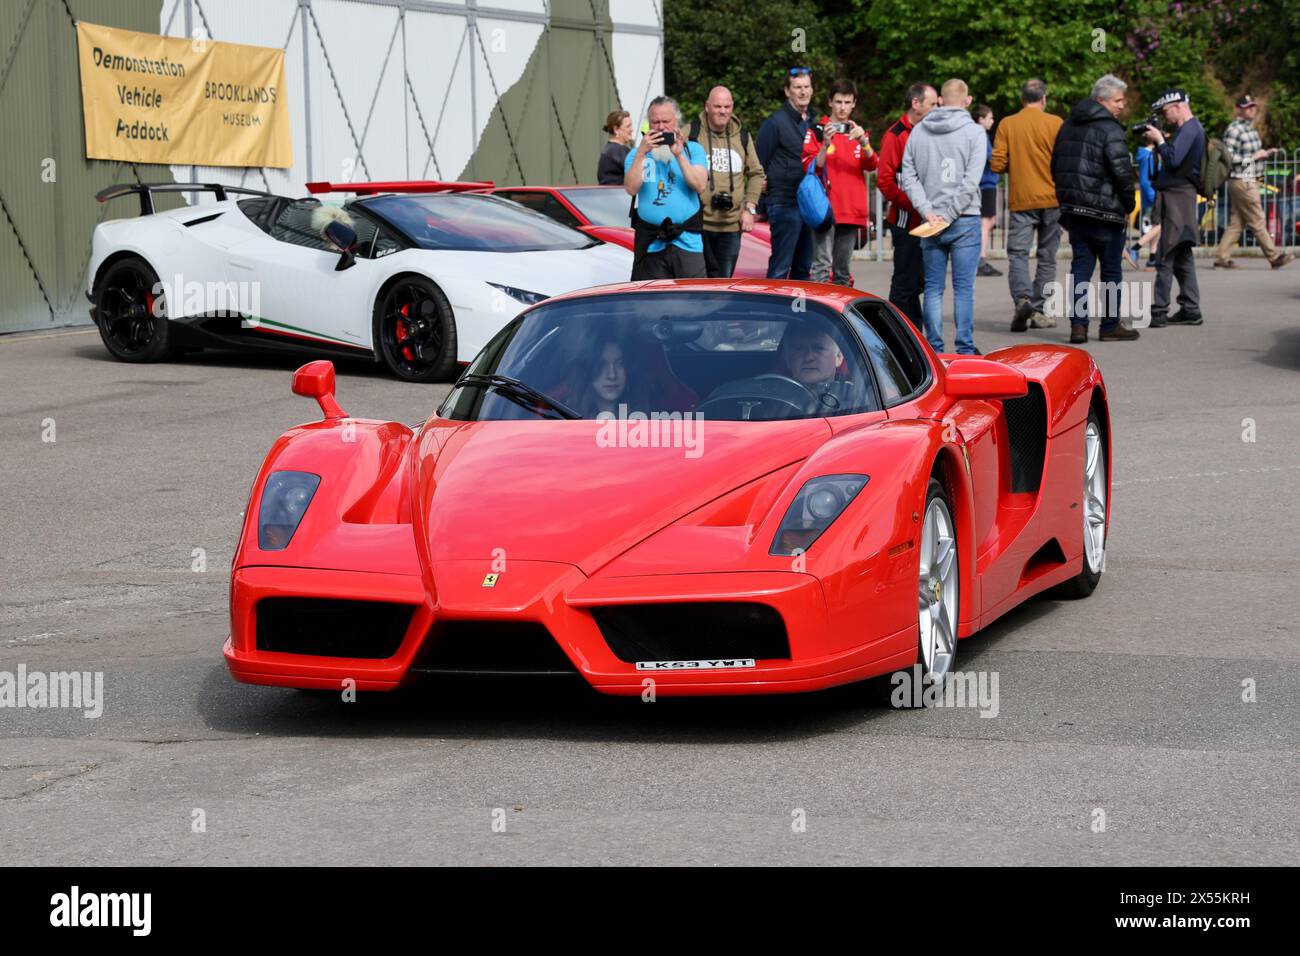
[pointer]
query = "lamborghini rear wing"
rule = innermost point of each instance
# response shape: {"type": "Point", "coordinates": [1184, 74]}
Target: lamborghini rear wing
{"type": "Point", "coordinates": [146, 190]}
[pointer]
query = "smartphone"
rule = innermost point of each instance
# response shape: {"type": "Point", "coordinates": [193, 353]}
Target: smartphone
{"type": "Point", "coordinates": [668, 137]}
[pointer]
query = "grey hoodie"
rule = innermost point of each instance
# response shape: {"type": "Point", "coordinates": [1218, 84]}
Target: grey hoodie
{"type": "Point", "coordinates": [943, 162]}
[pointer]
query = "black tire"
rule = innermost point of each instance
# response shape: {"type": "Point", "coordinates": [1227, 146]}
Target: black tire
{"type": "Point", "coordinates": [415, 333]}
{"type": "Point", "coordinates": [131, 316]}
{"type": "Point", "coordinates": [1086, 581]}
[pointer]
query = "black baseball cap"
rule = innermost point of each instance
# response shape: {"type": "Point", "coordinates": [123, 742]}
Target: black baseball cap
{"type": "Point", "coordinates": [1245, 100]}
{"type": "Point", "coordinates": [1169, 97]}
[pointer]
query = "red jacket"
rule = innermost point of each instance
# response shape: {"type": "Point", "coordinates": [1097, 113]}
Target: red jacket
{"type": "Point", "coordinates": [846, 187]}
{"type": "Point", "coordinates": [900, 212]}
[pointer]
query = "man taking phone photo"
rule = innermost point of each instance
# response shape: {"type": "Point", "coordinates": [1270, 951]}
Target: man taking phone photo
{"type": "Point", "coordinates": [842, 152]}
{"type": "Point", "coordinates": [666, 174]}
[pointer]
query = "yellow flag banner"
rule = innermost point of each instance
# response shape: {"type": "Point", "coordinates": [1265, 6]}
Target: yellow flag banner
{"type": "Point", "coordinates": [155, 99]}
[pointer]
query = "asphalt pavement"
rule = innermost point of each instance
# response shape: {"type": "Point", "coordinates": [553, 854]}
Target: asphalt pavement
{"type": "Point", "coordinates": [1157, 722]}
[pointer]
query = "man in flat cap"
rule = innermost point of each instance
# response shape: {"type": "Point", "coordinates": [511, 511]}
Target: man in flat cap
{"type": "Point", "coordinates": [1246, 149]}
{"type": "Point", "coordinates": [1179, 160]}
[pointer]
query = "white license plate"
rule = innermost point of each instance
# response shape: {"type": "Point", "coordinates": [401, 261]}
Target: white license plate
{"type": "Point", "coordinates": [731, 663]}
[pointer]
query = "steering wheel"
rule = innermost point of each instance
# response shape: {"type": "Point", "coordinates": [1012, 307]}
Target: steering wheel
{"type": "Point", "coordinates": [770, 387]}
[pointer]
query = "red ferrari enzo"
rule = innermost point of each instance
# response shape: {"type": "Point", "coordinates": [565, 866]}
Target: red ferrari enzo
{"type": "Point", "coordinates": [725, 486]}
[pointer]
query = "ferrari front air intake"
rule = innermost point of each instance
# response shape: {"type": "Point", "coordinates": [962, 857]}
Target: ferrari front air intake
{"type": "Point", "coordinates": [693, 631]}
{"type": "Point", "coordinates": [369, 630]}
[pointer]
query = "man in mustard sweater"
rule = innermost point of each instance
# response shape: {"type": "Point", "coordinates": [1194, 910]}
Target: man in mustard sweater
{"type": "Point", "coordinates": [1022, 149]}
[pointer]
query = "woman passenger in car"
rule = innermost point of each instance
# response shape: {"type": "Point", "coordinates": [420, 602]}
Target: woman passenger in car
{"type": "Point", "coordinates": [610, 379]}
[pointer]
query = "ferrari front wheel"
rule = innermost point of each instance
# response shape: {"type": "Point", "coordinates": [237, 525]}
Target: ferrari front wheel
{"type": "Point", "coordinates": [1095, 487]}
{"type": "Point", "coordinates": [130, 312]}
{"type": "Point", "coordinates": [938, 599]}
{"type": "Point", "coordinates": [415, 334]}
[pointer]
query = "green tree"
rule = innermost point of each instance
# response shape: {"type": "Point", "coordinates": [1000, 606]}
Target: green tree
{"type": "Point", "coordinates": [746, 46]}
{"type": "Point", "coordinates": [995, 47]}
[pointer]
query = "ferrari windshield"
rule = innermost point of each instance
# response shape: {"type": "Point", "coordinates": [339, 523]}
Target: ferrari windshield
{"type": "Point", "coordinates": [474, 223]}
{"type": "Point", "coordinates": [721, 355]}
{"type": "Point", "coordinates": [601, 205]}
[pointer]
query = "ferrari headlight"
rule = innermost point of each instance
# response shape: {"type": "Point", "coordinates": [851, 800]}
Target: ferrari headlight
{"type": "Point", "coordinates": [520, 295]}
{"type": "Point", "coordinates": [285, 498]}
{"type": "Point", "coordinates": [819, 502]}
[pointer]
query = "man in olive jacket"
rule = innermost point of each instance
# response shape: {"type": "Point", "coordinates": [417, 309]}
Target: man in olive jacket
{"type": "Point", "coordinates": [736, 181]}
{"type": "Point", "coordinates": [1094, 186]}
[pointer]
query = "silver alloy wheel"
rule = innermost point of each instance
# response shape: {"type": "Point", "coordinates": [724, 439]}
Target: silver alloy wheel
{"type": "Point", "coordinates": [937, 599]}
{"type": "Point", "coordinates": [1094, 498]}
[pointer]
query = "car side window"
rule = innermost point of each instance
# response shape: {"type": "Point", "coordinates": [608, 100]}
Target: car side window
{"type": "Point", "coordinates": [889, 374]}
{"type": "Point", "coordinates": [897, 361]}
{"type": "Point", "coordinates": [385, 244]}
{"type": "Point", "coordinates": [293, 225]}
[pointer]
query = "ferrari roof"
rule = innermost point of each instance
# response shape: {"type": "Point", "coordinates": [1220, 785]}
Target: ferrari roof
{"type": "Point", "coordinates": [834, 296]}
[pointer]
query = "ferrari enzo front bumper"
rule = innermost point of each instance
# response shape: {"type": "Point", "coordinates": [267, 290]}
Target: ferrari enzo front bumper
{"type": "Point", "coordinates": [685, 634]}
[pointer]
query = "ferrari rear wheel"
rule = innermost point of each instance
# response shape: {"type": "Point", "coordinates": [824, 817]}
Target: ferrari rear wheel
{"type": "Point", "coordinates": [415, 334]}
{"type": "Point", "coordinates": [1094, 512]}
{"type": "Point", "coordinates": [938, 597]}
{"type": "Point", "coordinates": [131, 312]}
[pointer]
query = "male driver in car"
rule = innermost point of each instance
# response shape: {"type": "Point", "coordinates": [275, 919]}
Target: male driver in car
{"type": "Point", "coordinates": [811, 356]}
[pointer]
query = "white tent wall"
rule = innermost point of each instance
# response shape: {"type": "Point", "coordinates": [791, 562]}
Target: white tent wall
{"type": "Point", "coordinates": [384, 90]}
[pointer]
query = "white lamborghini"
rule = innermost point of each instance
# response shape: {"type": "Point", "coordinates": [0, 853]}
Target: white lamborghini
{"type": "Point", "coordinates": [418, 276]}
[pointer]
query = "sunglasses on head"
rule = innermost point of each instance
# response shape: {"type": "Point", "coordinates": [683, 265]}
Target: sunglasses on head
{"type": "Point", "coordinates": [800, 71]}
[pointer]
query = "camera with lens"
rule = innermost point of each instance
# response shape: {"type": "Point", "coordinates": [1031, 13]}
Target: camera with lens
{"type": "Point", "coordinates": [722, 202]}
{"type": "Point", "coordinates": [1140, 128]}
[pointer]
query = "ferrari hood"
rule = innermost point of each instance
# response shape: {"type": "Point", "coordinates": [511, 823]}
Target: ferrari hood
{"type": "Point", "coordinates": [574, 491]}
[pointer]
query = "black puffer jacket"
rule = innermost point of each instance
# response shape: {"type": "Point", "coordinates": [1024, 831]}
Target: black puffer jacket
{"type": "Point", "coordinates": [1091, 165]}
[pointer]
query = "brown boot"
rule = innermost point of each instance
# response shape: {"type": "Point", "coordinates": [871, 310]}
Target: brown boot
{"type": "Point", "coordinates": [1278, 261]}
{"type": "Point", "coordinates": [1119, 333]}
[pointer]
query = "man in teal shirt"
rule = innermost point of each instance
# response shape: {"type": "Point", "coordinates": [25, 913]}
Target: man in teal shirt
{"type": "Point", "coordinates": [667, 181]}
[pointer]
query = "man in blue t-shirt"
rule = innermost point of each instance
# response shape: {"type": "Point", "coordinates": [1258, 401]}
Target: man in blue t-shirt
{"type": "Point", "coordinates": [667, 181]}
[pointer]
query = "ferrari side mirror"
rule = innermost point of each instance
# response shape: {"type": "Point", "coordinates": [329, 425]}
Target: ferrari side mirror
{"type": "Point", "coordinates": [984, 379]}
{"type": "Point", "coordinates": [316, 380]}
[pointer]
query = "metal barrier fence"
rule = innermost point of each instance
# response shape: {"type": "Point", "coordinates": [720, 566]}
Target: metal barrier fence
{"type": "Point", "coordinates": [1279, 193]}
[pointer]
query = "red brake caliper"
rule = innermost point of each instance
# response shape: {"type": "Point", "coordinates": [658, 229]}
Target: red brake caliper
{"type": "Point", "coordinates": [402, 335]}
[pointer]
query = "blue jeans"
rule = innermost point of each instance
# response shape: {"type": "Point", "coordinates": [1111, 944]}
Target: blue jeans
{"type": "Point", "coordinates": [792, 246]}
{"type": "Point", "coordinates": [721, 249]}
{"type": "Point", "coordinates": [1092, 240]}
{"type": "Point", "coordinates": [961, 243]}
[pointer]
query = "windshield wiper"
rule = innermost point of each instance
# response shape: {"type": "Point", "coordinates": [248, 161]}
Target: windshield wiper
{"type": "Point", "coordinates": [520, 392]}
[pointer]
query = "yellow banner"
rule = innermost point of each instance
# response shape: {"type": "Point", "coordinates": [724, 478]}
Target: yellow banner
{"type": "Point", "coordinates": [155, 99]}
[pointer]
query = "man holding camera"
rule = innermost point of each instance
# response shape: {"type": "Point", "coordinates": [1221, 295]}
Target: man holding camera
{"type": "Point", "coordinates": [735, 182]}
{"type": "Point", "coordinates": [1179, 160]}
{"type": "Point", "coordinates": [780, 150]}
{"type": "Point", "coordinates": [842, 153]}
{"type": "Point", "coordinates": [666, 174]}
{"type": "Point", "coordinates": [1246, 150]}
